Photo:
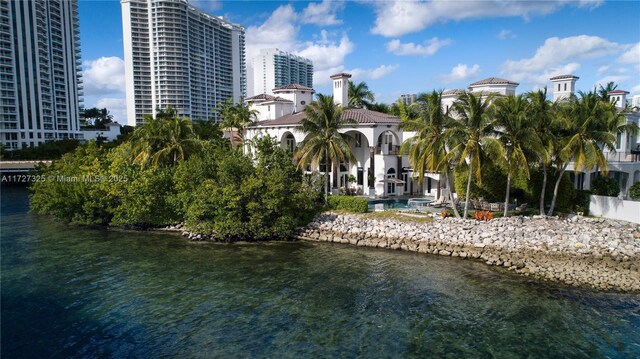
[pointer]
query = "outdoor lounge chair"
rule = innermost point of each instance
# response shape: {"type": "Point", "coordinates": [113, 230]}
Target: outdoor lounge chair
{"type": "Point", "coordinates": [522, 207]}
{"type": "Point", "coordinates": [439, 203]}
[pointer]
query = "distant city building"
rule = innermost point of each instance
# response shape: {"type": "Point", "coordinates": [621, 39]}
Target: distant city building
{"type": "Point", "coordinates": [39, 72]}
{"type": "Point", "coordinates": [178, 56]}
{"type": "Point", "coordinates": [408, 99]}
{"type": "Point", "coordinates": [274, 68]}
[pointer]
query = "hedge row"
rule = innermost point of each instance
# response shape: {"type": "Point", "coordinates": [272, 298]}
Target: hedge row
{"type": "Point", "coordinates": [348, 203]}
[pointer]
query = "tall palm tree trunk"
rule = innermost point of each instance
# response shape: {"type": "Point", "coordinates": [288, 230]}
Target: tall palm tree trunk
{"type": "Point", "coordinates": [466, 198]}
{"type": "Point", "coordinates": [506, 197]}
{"type": "Point", "coordinates": [326, 176]}
{"type": "Point", "coordinates": [450, 185]}
{"type": "Point", "coordinates": [555, 190]}
{"type": "Point", "coordinates": [544, 188]}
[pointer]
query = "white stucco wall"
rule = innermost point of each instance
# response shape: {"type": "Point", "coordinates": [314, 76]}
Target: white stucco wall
{"type": "Point", "coordinates": [614, 208]}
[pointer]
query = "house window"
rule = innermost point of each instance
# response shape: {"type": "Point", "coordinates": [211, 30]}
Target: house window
{"type": "Point", "coordinates": [565, 87]}
{"type": "Point", "coordinates": [619, 140]}
{"type": "Point", "coordinates": [391, 185]}
{"type": "Point", "coordinates": [558, 87]}
{"type": "Point", "coordinates": [290, 142]}
{"type": "Point", "coordinates": [358, 138]}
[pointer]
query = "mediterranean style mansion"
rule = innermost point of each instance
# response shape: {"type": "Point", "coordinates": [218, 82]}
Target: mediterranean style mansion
{"type": "Point", "coordinates": [380, 170]}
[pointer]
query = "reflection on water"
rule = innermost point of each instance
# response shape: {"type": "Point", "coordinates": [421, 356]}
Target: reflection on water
{"type": "Point", "coordinates": [81, 292]}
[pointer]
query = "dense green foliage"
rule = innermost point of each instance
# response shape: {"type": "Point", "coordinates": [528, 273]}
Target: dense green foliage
{"type": "Point", "coordinates": [95, 118]}
{"type": "Point", "coordinates": [348, 203]}
{"type": "Point", "coordinates": [634, 191]}
{"type": "Point", "coordinates": [582, 202]}
{"type": "Point", "coordinates": [204, 184]}
{"type": "Point", "coordinates": [50, 150]}
{"type": "Point", "coordinates": [605, 186]}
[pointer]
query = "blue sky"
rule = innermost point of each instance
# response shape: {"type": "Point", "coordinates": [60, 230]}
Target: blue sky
{"type": "Point", "coordinates": [401, 47]}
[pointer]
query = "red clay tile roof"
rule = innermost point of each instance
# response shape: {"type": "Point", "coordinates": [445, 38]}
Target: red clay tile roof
{"type": "Point", "coordinates": [293, 87]}
{"type": "Point", "coordinates": [340, 75]}
{"type": "Point", "coordinates": [266, 97]}
{"type": "Point", "coordinates": [493, 81]}
{"type": "Point", "coordinates": [453, 92]}
{"type": "Point", "coordinates": [560, 77]}
{"type": "Point", "coordinates": [359, 115]}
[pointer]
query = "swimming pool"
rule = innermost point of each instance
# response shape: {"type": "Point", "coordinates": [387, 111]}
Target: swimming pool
{"type": "Point", "coordinates": [399, 203]}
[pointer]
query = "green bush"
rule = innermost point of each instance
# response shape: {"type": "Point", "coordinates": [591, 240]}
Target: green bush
{"type": "Point", "coordinates": [348, 203]}
{"type": "Point", "coordinates": [605, 186]}
{"type": "Point", "coordinates": [634, 191]}
{"type": "Point", "coordinates": [582, 202]}
{"type": "Point", "coordinates": [494, 184]}
{"type": "Point", "coordinates": [566, 191]}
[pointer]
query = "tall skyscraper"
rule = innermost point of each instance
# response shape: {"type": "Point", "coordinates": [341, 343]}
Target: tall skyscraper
{"type": "Point", "coordinates": [274, 68]}
{"type": "Point", "coordinates": [40, 76]}
{"type": "Point", "coordinates": [177, 56]}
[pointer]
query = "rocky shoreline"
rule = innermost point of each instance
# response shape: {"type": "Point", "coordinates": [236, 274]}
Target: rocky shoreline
{"type": "Point", "coordinates": [585, 252]}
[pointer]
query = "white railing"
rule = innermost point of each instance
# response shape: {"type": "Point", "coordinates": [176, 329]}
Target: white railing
{"type": "Point", "coordinates": [614, 208]}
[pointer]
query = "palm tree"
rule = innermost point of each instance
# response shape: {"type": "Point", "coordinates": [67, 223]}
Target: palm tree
{"type": "Point", "coordinates": [164, 139]}
{"type": "Point", "coordinates": [179, 141]}
{"type": "Point", "coordinates": [519, 138]}
{"type": "Point", "coordinates": [541, 113]}
{"type": "Point", "coordinates": [603, 92]}
{"type": "Point", "coordinates": [474, 139]}
{"type": "Point", "coordinates": [592, 125]}
{"type": "Point", "coordinates": [237, 116]}
{"type": "Point", "coordinates": [359, 95]}
{"type": "Point", "coordinates": [324, 142]}
{"type": "Point", "coordinates": [428, 148]}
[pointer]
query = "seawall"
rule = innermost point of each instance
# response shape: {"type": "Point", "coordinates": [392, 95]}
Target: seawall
{"type": "Point", "coordinates": [592, 252]}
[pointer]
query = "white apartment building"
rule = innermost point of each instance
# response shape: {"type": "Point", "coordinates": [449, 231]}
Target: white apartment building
{"type": "Point", "coordinates": [40, 78]}
{"type": "Point", "coordinates": [274, 68]}
{"type": "Point", "coordinates": [178, 56]}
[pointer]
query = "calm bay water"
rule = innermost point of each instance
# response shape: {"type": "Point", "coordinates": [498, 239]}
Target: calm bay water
{"type": "Point", "coordinates": [74, 292]}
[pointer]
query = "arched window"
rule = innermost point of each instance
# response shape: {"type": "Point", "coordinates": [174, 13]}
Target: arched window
{"type": "Point", "coordinates": [290, 142]}
{"type": "Point", "coordinates": [391, 184]}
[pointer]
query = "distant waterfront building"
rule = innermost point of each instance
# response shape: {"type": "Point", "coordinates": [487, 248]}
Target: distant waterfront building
{"type": "Point", "coordinates": [178, 56]}
{"type": "Point", "coordinates": [40, 76]}
{"type": "Point", "coordinates": [408, 99]}
{"type": "Point", "coordinates": [274, 68]}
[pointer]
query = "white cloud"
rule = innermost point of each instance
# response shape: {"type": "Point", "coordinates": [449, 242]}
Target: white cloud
{"type": "Point", "coordinates": [326, 53]}
{"type": "Point", "coordinates": [396, 18]}
{"type": "Point", "coordinates": [635, 90]}
{"type": "Point", "coordinates": [372, 74]}
{"type": "Point", "coordinates": [550, 58]}
{"type": "Point", "coordinates": [612, 78]}
{"type": "Point", "coordinates": [603, 69]}
{"type": "Point", "coordinates": [428, 48]}
{"type": "Point", "coordinates": [116, 106]}
{"type": "Point", "coordinates": [506, 34]}
{"type": "Point", "coordinates": [631, 56]}
{"type": "Point", "coordinates": [323, 13]}
{"type": "Point", "coordinates": [103, 76]}
{"type": "Point", "coordinates": [460, 72]}
{"type": "Point", "coordinates": [278, 31]}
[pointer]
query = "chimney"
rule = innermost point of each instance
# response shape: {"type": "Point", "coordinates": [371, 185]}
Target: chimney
{"type": "Point", "coordinates": [341, 89]}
